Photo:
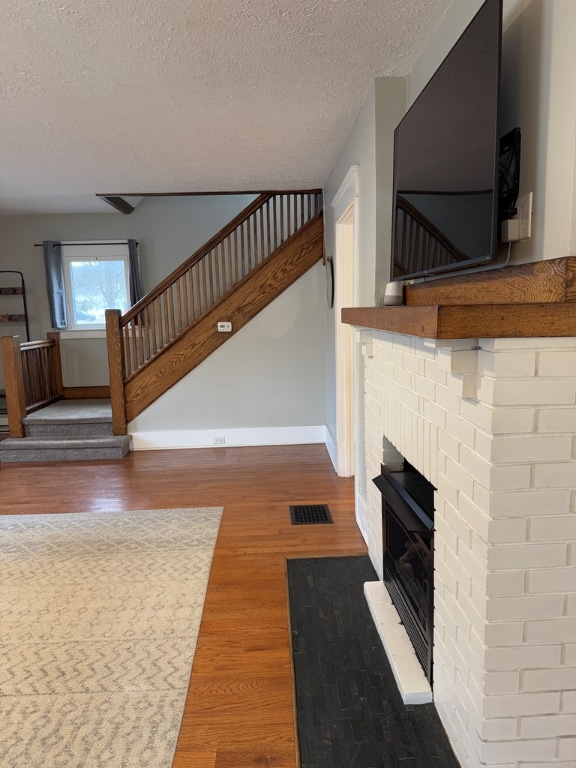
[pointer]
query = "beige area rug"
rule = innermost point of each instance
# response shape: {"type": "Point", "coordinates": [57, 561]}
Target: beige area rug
{"type": "Point", "coordinates": [99, 617]}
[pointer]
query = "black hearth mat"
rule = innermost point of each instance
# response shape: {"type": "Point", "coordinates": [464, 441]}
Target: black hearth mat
{"type": "Point", "coordinates": [349, 711]}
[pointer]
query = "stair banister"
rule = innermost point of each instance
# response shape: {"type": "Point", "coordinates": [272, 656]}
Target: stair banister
{"type": "Point", "coordinates": [427, 245]}
{"type": "Point", "coordinates": [228, 229]}
{"type": "Point", "coordinates": [168, 320]}
{"type": "Point", "coordinates": [32, 377]}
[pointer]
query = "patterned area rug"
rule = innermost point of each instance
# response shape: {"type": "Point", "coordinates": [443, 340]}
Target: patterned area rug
{"type": "Point", "coordinates": [99, 616]}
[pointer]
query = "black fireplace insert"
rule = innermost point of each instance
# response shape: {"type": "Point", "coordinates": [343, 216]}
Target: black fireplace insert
{"type": "Point", "coordinates": [408, 546]}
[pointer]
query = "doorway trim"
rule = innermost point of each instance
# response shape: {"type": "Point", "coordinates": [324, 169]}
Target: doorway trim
{"type": "Point", "coordinates": [345, 205]}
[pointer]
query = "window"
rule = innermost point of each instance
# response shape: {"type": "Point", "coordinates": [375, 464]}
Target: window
{"type": "Point", "coordinates": [96, 278]}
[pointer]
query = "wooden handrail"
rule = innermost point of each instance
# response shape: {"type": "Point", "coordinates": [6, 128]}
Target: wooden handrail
{"type": "Point", "coordinates": [422, 244]}
{"type": "Point", "coordinates": [32, 377]}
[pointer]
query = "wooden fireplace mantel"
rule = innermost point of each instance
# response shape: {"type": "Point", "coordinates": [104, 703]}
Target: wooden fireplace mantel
{"type": "Point", "coordinates": [528, 300]}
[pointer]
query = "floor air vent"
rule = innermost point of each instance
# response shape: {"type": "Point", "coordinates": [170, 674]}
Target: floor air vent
{"type": "Point", "coordinates": [310, 514]}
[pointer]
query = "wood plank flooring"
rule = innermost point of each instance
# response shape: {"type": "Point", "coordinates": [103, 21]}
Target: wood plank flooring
{"type": "Point", "coordinates": [240, 707]}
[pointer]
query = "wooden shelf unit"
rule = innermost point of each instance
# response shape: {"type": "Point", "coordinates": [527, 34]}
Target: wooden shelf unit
{"type": "Point", "coordinates": [13, 297]}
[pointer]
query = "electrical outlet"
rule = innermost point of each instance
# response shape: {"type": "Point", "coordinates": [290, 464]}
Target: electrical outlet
{"type": "Point", "coordinates": [524, 206]}
{"type": "Point", "coordinates": [224, 327]}
{"type": "Point", "coordinates": [221, 440]}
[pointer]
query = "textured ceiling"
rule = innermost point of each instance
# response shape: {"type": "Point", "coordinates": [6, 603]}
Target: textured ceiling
{"type": "Point", "coordinates": [104, 96]}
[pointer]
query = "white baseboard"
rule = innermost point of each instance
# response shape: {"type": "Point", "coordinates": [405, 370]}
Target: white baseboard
{"type": "Point", "coordinates": [331, 448]}
{"type": "Point", "coordinates": [212, 438]}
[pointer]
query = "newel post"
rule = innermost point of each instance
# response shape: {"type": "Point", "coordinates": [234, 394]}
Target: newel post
{"type": "Point", "coordinates": [116, 369]}
{"type": "Point", "coordinates": [14, 385]}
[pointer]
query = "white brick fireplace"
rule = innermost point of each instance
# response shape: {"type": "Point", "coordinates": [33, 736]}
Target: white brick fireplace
{"type": "Point", "coordinates": [492, 424]}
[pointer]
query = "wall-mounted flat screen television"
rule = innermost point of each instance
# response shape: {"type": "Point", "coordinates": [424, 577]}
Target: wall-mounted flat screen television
{"type": "Point", "coordinates": [446, 154]}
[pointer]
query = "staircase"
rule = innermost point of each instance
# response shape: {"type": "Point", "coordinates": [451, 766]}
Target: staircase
{"type": "Point", "coordinates": [236, 274]}
{"type": "Point", "coordinates": [68, 430]}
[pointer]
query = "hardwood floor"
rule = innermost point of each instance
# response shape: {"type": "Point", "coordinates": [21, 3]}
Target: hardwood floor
{"type": "Point", "coordinates": [240, 706]}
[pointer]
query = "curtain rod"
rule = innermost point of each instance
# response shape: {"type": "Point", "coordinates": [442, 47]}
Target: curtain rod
{"type": "Point", "coordinates": [121, 242]}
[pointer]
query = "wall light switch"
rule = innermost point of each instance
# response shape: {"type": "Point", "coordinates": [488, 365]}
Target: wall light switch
{"type": "Point", "coordinates": [224, 327]}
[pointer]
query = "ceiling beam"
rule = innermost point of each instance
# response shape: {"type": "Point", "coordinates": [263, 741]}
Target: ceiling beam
{"type": "Point", "coordinates": [115, 195]}
{"type": "Point", "coordinates": [118, 202]}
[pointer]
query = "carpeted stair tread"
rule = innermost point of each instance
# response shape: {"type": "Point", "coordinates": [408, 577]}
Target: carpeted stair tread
{"type": "Point", "coordinates": [72, 410]}
{"type": "Point", "coordinates": [66, 441]}
{"type": "Point", "coordinates": [64, 448]}
{"type": "Point", "coordinates": [68, 430]}
{"type": "Point", "coordinates": [71, 417]}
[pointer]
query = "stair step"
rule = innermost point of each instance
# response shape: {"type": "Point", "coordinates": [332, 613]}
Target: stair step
{"type": "Point", "coordinates": [64, 448]}
{"type": "Point", "coordinates": [70, 429]}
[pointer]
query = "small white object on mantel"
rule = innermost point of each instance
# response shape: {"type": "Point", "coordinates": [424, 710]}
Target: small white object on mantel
{"type": "Point", "coordinates": [408, 673]}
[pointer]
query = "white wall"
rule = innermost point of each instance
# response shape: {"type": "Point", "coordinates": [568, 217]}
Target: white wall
{"type": "Point", "coordinates": [268, 375]}
{"type": "Point", "coordinates": [539, 95]}
{"type": "Point", "coordinates": [382, 108]}
{"type": "Point", "coordinates": [271, 374]}
{"type": "Point", "coordinates": [168, 229]}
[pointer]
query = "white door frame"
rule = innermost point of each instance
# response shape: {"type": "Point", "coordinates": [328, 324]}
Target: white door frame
{"type": "Point", "coordinates": [345, 207]}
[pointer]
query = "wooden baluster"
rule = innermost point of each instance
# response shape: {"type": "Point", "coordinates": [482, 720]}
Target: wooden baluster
{"type": "Point", "coordinates": [172, 305]}
{"type": "Point", "coordinates": [27, 379]}
{"type": "Point", "coordinates": [211, 272]}
{"type": "Point", "coordinates": [156, 320]}
{"type": "Point", "coordinates": [190, 292]}
{"type": "Point", "coordinates": [275, 212]}
{"type": "Point", "coordinates": [147, 330]}
{"type": "Point", "coordinates": [261, 251]}
{"type": "Point", "coordinates": [237, 255]}
{"type": "Point", "coordinates": [281, 219]}
{"type": "Point", "coordinates": [254, 249]}
{"type": "Point", "coordinates": [215, 279]}
{"type": "Point", "coordinates": [126, 350]}
{"type": "Point", "coordinates": [185, 319]}
{"type": "Point", "coordinates": [229, 263]}
{"type": "Point", "coordinates": [245, 249]}
{"type": "Point", "coordinates": [267, 227]}
{"type": "Point", "coordinates": [45, 362]}
{"type": "Point", "coordinates": [184, 306]}
{"type": "Point", "coordinates": [140, 330]}
{"type": "Point", "coordinates": [242, 249]}
{"type": "Point", "coordinates": [165, 319]}
{"type": "Point", "coordinates": [131, 328]}
{"type": "Point", "coordinates": [203, 283]}
{"type": "Point", "coordinates": [196, 285]}
{"type": "Point", "coordinates": [178, 326]}
{"type": "Point", "coordinates": [218, 269]}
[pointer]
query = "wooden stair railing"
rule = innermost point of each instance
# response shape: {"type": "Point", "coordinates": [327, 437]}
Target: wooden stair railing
{"type": "Point", "coordinates": [32, 377]}
{"type": "Point", "coordinates": [138, 338]}
{"type": "Point", "coordinates": [418, 244]}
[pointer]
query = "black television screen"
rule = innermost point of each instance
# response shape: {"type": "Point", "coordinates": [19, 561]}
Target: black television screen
{"type": "Point", "coordinates": [446, 159]}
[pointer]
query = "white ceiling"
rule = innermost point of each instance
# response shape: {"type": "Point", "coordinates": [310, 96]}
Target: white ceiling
{"type": "Point", "coordinates": [128, 96]}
